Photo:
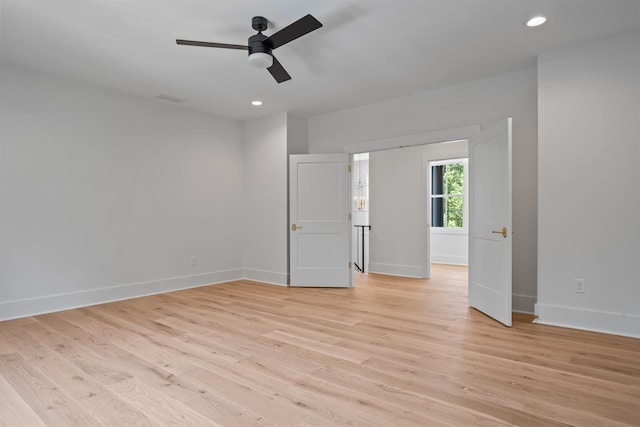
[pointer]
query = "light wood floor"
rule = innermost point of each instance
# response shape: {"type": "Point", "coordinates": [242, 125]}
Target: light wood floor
{"type": "Point", "coordinates": [393, 352]}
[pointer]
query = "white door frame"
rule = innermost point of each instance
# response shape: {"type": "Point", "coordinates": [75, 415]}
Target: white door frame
{"type": "Point", "coordinates": [433, 137]}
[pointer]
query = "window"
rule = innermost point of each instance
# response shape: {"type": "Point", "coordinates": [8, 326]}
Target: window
{"type": "Point", "coordinates": [448, 194]}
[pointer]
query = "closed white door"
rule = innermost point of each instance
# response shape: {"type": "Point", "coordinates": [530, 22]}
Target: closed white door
{"type": "Point", "coordinates": [320, 227]}
{"type": "Point", "coordinates": [490, 221]}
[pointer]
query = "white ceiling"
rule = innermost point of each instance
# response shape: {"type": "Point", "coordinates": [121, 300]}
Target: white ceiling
{"type": "Point", "coordinates": [367, 51]}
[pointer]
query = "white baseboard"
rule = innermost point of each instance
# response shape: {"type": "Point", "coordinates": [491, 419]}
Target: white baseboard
{"type": "Point", "coordinates": [270, 277]}
{"type": "Point", "coordinates": [51, 303]}
{"type": "Point", "coordinates": [449, 259]}
{"type": "Point", "coordinates": [523, 303]}
{"type": "Point", "coordinates": [591, 320]}
{"type": "Point", "coordinates": [397, 270]}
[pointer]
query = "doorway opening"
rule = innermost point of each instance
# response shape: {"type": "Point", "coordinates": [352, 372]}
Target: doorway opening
{"type": "Point", "coordinates": [391, 193]}
{"type": "Point", "coordinates": [360, 211]}
{"type": "Point", "coordinates": [448, 211]}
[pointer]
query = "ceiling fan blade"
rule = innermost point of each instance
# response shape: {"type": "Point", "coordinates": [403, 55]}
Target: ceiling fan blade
{"type": "Point", "coordinates": [210, 44]}
{"type": "Point", "coordinates": [278, 72]}
{"type": "Point", "coordinates": [291, 32]}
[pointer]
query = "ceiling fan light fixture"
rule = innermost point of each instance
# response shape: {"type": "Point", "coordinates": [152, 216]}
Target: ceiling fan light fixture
{"type": "Point", "coordinates": [261, 60]}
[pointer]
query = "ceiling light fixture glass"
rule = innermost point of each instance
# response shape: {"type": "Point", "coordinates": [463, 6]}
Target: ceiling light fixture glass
{"type": "Point", "coordinates": [536, 21]}
{"type": "Point", "coordinates": [256, 103]}
{"type": "Point", "coordinates": [261, 60]}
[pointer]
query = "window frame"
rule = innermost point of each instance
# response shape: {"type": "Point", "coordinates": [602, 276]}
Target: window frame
{"type": "Point", "coordinates": [465, 197]}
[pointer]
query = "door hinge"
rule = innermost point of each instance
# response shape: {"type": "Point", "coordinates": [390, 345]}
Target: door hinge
{"type": "Point", "coordinates": [349, 168]}
{"type": "Point", "coordinates": [349, 266]}
{"type": "Point", "coordinates": [349, 217]}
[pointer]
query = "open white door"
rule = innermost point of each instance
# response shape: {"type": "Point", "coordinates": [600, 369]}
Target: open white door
{"type": "Point", "coordinates": [320, 228]}
{"type": "Point", "coordinates": [490, 221]}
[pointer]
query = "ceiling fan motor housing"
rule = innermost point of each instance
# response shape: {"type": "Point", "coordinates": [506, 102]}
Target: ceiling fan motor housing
{"type": "Point", "coordinates": [260, 55]}
{"type": "Point", "coordinates": [256, 44]}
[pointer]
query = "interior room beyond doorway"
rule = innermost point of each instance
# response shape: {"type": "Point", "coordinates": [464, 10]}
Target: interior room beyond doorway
{"type": "Point", "coordinates": [391, 193]}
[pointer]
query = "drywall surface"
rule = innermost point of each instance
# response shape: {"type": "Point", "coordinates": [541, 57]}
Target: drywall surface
{"type": "Point", "coordinates": [297, 132]}
{"type": "Point", "coordinates": [482, 102]}
{"type": "Point", "coordinates": [397, 239]}
{"type": "Point", "coordinates": [449, 247]}
{"type": "Point", "coordinates": [589, 176]}
{"type": "Point", "coordinates": [265, 207]}
{"type": "Point", "coordinates": [105, 196]}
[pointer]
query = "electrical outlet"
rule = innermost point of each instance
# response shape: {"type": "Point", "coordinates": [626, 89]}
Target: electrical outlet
{"type": "Point", "coordinates": [580, 286]}
{"type": "Point", "coordinates": [194, 261]}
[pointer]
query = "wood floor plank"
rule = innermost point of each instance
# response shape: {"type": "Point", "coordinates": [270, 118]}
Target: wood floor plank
{"type": "Point", "coordinates": [45, 398]}
{"type": "Point", "coordinates": [272, 409]}
{"type": "Point", "coordinates": [89, 392]}
{"type": "Point", "coordinates": [158, 406]}
{"type": "Point", "coordinates": [439, 410]}
{"type": "Point", "coordinates": [321, 347]}
{"type": "Point", "coordinates": [390, 352]}
{"type": "Point", "coordinates": [322, 401]}
{"type": "Point", "coordinates": [15, 412]}
{"type": "Point", "coordinates": [486, 390]}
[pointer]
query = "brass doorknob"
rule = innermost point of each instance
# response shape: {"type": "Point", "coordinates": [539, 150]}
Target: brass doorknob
{"type": "Point", "coordinates": [503, 232]}
{"type": "Point", "coordinates": [294, 227]}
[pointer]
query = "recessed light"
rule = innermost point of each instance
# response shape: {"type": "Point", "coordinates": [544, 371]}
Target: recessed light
{"type": "Point", "coordinates": [256, 103]}
{"type": "Point", "coordinates": [536, 20]}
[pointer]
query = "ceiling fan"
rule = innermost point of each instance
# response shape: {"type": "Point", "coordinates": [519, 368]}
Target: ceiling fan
{"type": "Point", "coordinates": [260, 47]}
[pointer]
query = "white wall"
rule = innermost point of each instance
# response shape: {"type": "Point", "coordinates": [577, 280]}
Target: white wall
{"type": "Point", "coordinates": [399, 197]}
{"type": "Point", "coordinates": [397, 240]}
{"type": "Point", "coordinates": [105, 196]}
{"type": "Point", "coordinates": [265, 210]}
{"type": "Point", "coordinates": [297, 135]}
{"type": "Point", "coordinates": [449, 247]}
{"type": "Point", "coordinates": [480, 102]}
{"type": "Point", "coordinates": [589, 203]}
{"type": "Point", "coordinates": [297, 143]}
{"type": "Point", "coordinates": [267, 143]}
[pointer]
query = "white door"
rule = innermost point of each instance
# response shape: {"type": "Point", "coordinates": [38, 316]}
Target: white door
{"type": "Point", "coordinates": [320, 228]}
{"type": "Point", "coordinates": [490, 221]}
